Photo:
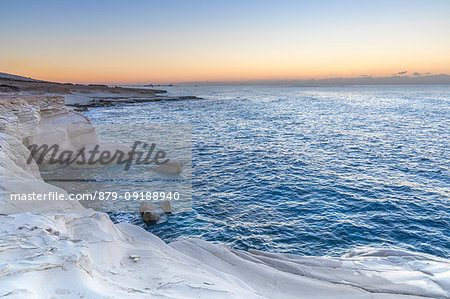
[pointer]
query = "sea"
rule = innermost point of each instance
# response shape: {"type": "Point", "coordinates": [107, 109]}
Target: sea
{"type": "Point", "coordinates": [308, 170]}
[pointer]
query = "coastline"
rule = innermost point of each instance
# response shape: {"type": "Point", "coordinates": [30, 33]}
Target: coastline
{"type": "Point", "coordinates": [80, 252]}
{"type": "Point", "coordinates": [81, 97]}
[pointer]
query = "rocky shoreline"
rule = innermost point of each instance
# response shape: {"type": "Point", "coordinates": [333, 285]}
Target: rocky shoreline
{"type": "Point", "coordinates": [109, 102]}
{"type": "Point", "coordinates": [82, 97]}
{"type": "Point", "coordinates": [62, 250]}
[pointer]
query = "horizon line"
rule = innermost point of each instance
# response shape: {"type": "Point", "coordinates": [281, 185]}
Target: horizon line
{"type": "Point", "coordinates": [396, 79]}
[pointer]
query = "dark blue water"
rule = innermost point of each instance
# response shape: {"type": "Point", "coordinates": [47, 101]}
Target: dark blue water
{"type": "Point", "coordinates": [310, 170]}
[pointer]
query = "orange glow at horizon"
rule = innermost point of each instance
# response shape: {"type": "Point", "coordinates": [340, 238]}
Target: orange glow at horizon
{"type": "Point", "coordinates": [140, 71]}
{"type": "Point", "coordinates": [224, 41]}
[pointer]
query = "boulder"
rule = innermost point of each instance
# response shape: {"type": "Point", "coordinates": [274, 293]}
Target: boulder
{"type": "Point", "coordinates": [171, 167]}
{"type": "Point", "coordinates": [151, 212]}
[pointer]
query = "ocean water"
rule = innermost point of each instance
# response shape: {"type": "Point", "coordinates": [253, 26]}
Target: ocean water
{"type": "Point", "coordinates": [309, 170]}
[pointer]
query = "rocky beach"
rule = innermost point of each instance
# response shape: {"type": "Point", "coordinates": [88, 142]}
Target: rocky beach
{"type": "Point", "coordinates": [59, 249]}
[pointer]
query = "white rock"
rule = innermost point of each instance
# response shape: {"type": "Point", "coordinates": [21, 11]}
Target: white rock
{"type": "Point", "coordinates": [151, 212]}
{"type": "Point", "coordinates": [171, 167]}
{"type": "Point", "coordinates": [125, 261]}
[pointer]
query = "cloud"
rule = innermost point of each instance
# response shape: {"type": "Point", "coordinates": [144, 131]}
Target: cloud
{"type": "Point", "coordinates": [416, 74]}
{"type": "Point", "coordinates": [402, 72]}
{"type": "Point", "coordinates": [427, 73]}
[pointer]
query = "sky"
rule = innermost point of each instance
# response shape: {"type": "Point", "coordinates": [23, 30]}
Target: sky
{"type": "Point", "coordinates": [169, 41]}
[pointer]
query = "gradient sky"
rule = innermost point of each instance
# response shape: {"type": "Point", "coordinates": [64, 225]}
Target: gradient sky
{"type": "Point", "coordinates": [175, 41]}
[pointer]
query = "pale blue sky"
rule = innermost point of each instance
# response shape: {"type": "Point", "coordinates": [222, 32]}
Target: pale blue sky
{"type": "Point", "coordinates": [201, 40]}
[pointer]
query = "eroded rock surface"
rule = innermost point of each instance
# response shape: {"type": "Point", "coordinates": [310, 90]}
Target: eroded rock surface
{"type": "Point", "coordinates": [83, 254]}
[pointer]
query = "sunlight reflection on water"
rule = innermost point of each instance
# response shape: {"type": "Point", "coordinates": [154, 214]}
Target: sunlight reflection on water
{"type": "Point", "coordinates": [310, 170]}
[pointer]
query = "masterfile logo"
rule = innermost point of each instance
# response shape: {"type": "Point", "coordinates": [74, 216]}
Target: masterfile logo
{"type": "Point", "coordinates": [107, 167]}
{"type": "Point", "coordinates": [140, 153]}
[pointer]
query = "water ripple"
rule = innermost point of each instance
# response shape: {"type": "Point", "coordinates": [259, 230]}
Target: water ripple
{"type": "Point", "coordinates": [310, 170]}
